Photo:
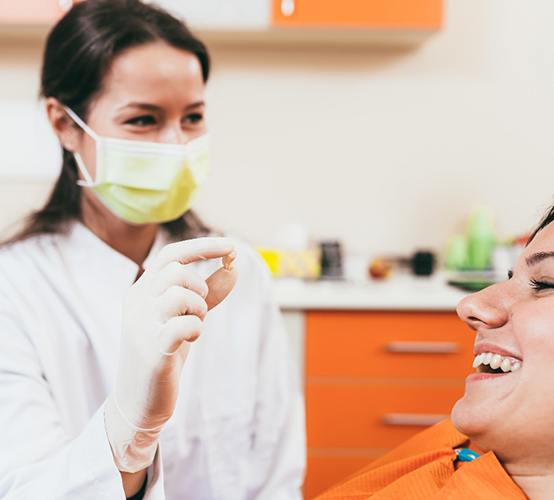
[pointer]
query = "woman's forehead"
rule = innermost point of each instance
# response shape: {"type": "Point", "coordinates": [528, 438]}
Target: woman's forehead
{"type": "Point", "coordinates": [542, 242]}
{"type": "Point", "coordinates": [154, 72]}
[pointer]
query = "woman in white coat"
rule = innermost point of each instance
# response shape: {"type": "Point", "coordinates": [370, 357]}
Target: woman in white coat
{"type": "Point", "coordinates": [102, 394]}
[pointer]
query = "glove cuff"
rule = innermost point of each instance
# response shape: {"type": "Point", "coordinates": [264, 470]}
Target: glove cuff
{"type": "Point", "coordinates": [133, 448]}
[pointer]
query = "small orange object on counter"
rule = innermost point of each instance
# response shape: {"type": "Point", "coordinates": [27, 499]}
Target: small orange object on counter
{"type": "Point", "coordinates": [380, 268]}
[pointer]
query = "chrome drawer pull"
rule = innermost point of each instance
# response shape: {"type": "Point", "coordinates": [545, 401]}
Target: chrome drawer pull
{"type": "Point", "coordinates": [416, 419]}
{"type": "Point", "coordinates": [422, 347]}
{"type": "Point", "coordinates": [288, 7]}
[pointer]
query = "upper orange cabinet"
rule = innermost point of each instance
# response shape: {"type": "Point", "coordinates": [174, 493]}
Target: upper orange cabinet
{"type": "Point", "coordinates": [32, 12]}
{"type": "Point", "coordinates": [374, 14]}
{"type": "Point", "coordinates": [259, 21]}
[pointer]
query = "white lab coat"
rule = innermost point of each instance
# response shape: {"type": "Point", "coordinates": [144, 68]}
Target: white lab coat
{"type": "Point", "coordinates": [237, 431]}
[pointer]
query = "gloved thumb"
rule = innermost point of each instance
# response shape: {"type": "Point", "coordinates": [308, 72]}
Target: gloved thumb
{"type": "Point", "coordinates": [220, 285]}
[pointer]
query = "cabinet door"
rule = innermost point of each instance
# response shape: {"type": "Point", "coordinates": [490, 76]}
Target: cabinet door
{"type": "Point", "coordinates": [380, 14]}
{"type": "Point", "coordinates": [377, 416]}
{"type": "Point", "coordinates": [386, 344]}
{"type": "Point", "coordinates": [221, 14]}
{"type": "Point", "coordinates": [29, 12]}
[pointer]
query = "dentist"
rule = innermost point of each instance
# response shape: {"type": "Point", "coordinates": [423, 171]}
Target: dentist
{"type": "Point", "coordinates": [140, 357]}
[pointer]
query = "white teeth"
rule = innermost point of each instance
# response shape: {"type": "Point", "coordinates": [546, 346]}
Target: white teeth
{"type": "Point", "coordinates": [506, 365]}
{"type": "Point", "coordinates": [495, 361]}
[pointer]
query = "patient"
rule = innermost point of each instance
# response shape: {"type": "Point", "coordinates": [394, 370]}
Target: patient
{"type": "Point", "coordinates": [506, 416]}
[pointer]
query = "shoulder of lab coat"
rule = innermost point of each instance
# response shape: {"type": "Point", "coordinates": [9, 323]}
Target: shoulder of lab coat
{"type": "Point", "coordinates": [38, 459]}
{"type": "Point", "coordinates": [279, 456]}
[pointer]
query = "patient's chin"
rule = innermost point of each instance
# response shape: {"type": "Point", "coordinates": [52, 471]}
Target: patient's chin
{"type": "Point", "coordinates": [469, 419]}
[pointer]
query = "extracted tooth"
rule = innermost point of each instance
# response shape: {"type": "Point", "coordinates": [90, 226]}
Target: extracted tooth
{"type": "Point", "coordinates": [228, 260]}
{"type": "Point", "coordinates": [496, 361]}
{"type": "Point", "coordinates": [506, 365]}
{"type": "Point", "coordinates": [516, 366]}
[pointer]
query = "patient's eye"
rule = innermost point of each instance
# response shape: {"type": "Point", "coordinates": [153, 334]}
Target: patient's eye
{"type": "Point", "coordinates": [539, 285]}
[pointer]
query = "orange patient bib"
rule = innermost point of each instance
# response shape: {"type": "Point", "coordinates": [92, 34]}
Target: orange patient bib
{"type": "Point", "coordinates": [424, 468]}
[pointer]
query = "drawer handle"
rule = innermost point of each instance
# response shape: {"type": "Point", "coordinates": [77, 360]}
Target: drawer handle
{"type": "Point", "coordinates": [415, 419]}
{"type": "Point", "coordinates": [423, 347]}
{"type": "Point", "coordinates": [288, 7]}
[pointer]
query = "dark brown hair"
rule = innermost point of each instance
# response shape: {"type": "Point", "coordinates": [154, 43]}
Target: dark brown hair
{"type": "Point", "coordinates": [78, 53]}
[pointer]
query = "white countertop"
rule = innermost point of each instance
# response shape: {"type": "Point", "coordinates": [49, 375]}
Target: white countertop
{"type": "Point", "coordinates": [401, 292]}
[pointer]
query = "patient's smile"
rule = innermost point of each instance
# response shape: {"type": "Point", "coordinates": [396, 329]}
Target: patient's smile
{"type": "Point", "coordinates": [489, 362]}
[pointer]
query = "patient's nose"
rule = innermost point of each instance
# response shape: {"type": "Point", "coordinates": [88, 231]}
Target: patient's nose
{"type": "Point", "coordinates": [487, 308]}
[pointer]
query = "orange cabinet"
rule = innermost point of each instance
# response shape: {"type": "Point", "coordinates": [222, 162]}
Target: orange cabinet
{"type": "Point", "coordinates": [32, 12]}
{"type": "Point", "coordinates": [384, 344]}
{"type": "Point", "coordinates": [378, 14]}
{"type": "Point", "coordinates": [374, 415]}
{"type": "Point", "coordinates": [373, 380]}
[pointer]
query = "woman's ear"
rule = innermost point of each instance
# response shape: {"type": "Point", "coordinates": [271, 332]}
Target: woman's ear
{"type": "Point", "coordinates": [64, 127]}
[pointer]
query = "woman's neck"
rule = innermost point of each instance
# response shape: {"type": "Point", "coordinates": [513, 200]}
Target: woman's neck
{"type": "Point", "coordinates": [536, 487]}
{"type": "Point", "coordinates": [132, 241]}
{"type": "Point", "coordinates": [535, 479]}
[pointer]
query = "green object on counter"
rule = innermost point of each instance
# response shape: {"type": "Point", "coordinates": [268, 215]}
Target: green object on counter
{"type": "Point", "coordinates": [456, 253]}
{"type": "Point", "coordinates": [480, 240]}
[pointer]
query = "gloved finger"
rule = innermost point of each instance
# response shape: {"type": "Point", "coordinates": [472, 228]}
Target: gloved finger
{"type": "Point", "coordinates": [220, 285]}
{"type": "Point", "coordinates": [176, 274]}
{"type": "Point", "coordinates": [177, 330]}
{"type": "Point", "coordinates": [179, 301]}
{"type": "Point", "coordinates": [189, 251]}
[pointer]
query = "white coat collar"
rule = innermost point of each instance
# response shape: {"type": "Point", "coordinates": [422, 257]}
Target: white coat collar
{"type": "Point", "coordinates": [101, 257]}
{"type": "Point", "coordinates": [100, 278]}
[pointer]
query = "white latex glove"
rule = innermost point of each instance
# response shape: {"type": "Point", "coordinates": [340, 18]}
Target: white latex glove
{"type": "Point", "coordinates": [163, 313]}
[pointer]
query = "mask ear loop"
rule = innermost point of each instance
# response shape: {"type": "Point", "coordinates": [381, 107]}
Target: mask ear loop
{"type": "Point", "coordinates": [88, 182]}
{"type": "Point", "coordinates": [80, 163]}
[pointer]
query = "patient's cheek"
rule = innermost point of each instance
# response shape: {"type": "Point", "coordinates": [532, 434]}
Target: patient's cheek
{"type": "Point", "coordinates": [533, 327]}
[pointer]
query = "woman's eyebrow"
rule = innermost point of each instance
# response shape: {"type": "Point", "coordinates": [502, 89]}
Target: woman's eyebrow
{"type": "Point", "coordinates": [195, 105]}
{"type": "Point", "coordinates": [538, 257]}
{"type": "Point", "coordinates": [153, 107]}
{"type": "Point", "coordinates": [142, 105]}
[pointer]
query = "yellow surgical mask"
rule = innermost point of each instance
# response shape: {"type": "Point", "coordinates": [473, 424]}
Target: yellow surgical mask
{"type": "Point", "coordinates": [145, 182]}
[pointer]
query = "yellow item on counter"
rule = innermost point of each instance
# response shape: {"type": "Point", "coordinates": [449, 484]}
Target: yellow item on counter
{"type": "Point", "coordinates": [297, 264]}
{"type": "Point", "coordinates": [272, 259]}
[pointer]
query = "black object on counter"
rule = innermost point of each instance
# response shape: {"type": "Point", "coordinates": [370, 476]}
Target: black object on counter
{"type": "Point", "coordinates": [423, 263]}
{"type": "Point", "coordinates": [331, 259]}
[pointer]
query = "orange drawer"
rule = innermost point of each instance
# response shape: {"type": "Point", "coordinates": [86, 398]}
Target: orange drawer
{"type": "Point", "coordinates": [385, 344]}
{"type": "Point", "coordinates": [412, 14]}
{"type": "Point", "coordinates": [374, 415]}
{"type": "Point", "coordinates": [326, 470]}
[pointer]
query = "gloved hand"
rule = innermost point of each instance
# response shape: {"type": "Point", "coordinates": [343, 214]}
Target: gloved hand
{"type": "Point", "coordinates": [163, 313]}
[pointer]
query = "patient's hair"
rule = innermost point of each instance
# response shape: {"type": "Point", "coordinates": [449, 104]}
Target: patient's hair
{"type": "Point", "coordinates": [78, 54]}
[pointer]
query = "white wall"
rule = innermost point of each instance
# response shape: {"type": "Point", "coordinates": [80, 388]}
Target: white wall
{"type": "Point", "coordinates": [386, 150]}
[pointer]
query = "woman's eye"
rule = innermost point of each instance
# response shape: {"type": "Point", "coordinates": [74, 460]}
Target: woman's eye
{"type": "Point", "coordinates": [194, 118]}
{"type": "Point", "coordinates": [141, 121]}
{"type": "Point", "coordinates": [541, 285]}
